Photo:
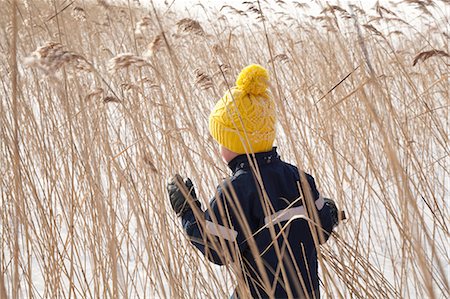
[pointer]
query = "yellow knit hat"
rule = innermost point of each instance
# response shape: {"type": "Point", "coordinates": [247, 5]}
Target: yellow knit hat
{"type": "Point", "coordinates": [244, 120]}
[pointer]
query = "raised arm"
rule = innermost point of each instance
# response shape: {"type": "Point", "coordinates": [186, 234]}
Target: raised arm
{"type": "Point", "coordinates": [218, 232]}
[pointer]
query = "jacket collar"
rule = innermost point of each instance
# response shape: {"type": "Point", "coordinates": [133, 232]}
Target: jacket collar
{"type": "Point", "coordinates": [242, 161]}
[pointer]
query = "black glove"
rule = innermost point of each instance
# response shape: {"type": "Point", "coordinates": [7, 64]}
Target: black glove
{"type": "Point", "coordinates": [182, 195]}
{"type": "Point", "coordinates": [335, 214]}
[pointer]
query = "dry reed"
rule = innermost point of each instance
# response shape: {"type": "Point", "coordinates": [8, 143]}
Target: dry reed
{"type": "Point", "coordinates": [85, 158]}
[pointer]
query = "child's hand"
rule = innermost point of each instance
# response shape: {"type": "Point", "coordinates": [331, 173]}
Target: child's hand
{"type": "Point", "coordinates": [181, 194]}
{"type": "Point", "coordinates": [336, 215]}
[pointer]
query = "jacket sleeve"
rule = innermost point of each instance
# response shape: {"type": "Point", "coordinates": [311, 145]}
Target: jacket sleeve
{"type": "Point", "coordinates": [326, 225]}
{"type": "Point", "coordinates": [220, 232]}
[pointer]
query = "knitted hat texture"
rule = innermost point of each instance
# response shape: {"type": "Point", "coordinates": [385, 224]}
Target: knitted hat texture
{"type": "Point", "coordinates": [244, 119]}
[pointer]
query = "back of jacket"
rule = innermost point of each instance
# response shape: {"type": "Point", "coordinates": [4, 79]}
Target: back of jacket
{"type": "Point", "coordinates": [262, 225]}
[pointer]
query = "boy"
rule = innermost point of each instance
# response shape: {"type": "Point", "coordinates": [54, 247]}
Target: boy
{"type": "Point", "coordinates": [267, 218]}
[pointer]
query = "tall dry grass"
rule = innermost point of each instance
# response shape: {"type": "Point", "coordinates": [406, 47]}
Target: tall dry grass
{"type": "Point", "coordinates": [106, 102]}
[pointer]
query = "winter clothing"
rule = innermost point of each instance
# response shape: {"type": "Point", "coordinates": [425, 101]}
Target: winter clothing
{"type": "Point", "coordinates": [227, 228]}
{"type": "Point", "coordinates": [181, 195]}
{"type": "Point", "coordinates": [335, 214]}
{"type": "Point", "coordinates": [244, 119]}
{"type": "Point", "coordinates": [268, 217]}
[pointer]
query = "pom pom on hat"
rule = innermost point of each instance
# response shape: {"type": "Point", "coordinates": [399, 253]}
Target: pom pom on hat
{"type": "Point", "coordinates": [253, 79]}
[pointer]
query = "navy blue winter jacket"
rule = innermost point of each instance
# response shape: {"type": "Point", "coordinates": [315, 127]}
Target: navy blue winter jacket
{"type": "Point", "coordinates": [244, 220]}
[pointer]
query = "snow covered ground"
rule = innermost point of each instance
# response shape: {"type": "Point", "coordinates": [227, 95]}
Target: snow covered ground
{"type": "Point", "coordinates": [117, 202]}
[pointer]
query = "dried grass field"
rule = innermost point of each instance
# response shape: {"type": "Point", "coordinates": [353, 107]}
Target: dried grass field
{"type": "Point", "coordinates": [101, 103]}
